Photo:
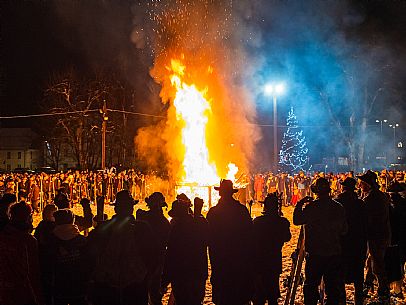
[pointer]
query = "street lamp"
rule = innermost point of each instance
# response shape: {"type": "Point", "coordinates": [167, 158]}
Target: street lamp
{"type": "Point", "coordinates": [275, 90]}
{"type": "Point", "coordinates": [381, 137]}
{"type": "Point", "coordinates": [394, 126]}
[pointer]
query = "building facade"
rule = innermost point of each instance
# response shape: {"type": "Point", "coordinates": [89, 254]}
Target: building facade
{"type": "Point", "coordinates": [18, 149]}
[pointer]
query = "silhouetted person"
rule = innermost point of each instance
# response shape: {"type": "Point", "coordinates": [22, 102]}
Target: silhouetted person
{"type": "Point", "coordinates": [186, 259]}
{"type": "Point", "coordinates": [160, 228]}
{"type": "Point", "coordinates": [230, 249]}
{"type": "Point", "coordinates": [5, 202]}
{"type": "Point", "coordinates": [68, 260]}
{"type": "Point", "coordinates": [354, 243]}
{"type": "Point", "coordinates": [271, 231]}
{"type": "Point", "coordinates": [396, 257]}
{"type": "Point", "coordinates": [86, 221]}
{"type": "Point", "coordinates": [325, 224]}
{"type": "Point", "coordinates": [378, 228]}
{"type": "Point", "coordinates": [19, 266]}
{"type": "Point", "coordinates": [43, 234]}
{"type": "Point", "coordinates": [124, 251]}
{"type": "Point", "coordinates": [61, 199]}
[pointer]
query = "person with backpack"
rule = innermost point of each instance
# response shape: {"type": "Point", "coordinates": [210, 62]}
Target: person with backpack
{"type": "Point", "coordinates": [124, 253]}
{"type": "Point", "coordinates": [68, 261]}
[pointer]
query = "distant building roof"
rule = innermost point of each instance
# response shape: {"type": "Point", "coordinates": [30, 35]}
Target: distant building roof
{"type": "Point", "coordinates": [17, 138]}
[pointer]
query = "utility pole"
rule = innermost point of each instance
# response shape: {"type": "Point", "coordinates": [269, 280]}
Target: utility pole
{"type": "Point", "coordinates": [105, 118]}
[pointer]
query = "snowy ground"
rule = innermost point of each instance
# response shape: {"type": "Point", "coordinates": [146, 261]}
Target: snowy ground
{"type": "Point", "coordinates": [286, 251]}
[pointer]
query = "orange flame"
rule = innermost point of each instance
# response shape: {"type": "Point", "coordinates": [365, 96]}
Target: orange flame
{"type": "Point", "coordinates": [193, 110]}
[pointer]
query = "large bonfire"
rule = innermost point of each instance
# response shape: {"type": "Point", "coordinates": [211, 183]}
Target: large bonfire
{"type": "Point", "coordinates": [193, 112]}
{"type": "Point", "coordinates": [206, 136]}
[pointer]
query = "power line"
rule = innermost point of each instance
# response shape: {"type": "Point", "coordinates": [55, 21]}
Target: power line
{"type": "Point", "coordinates": [137, 113]}
{"type": "Point", "coordinates": [76, 112]}
{"type": "Point", "coordinates": [25, 116]}
{"type": "Point", "coordinates": [156, 116]}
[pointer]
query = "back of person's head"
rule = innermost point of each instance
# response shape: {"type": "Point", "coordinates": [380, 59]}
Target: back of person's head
{"type": "Point", "coordinates": [64, 216]}
{"type": "Point", "coordinates": [21, 213]}
{"type": "Point", "coordinates": [8, 199]}
{"type": "Point", "coordinates": [48, 212]}
{"type": "Point", "coordinates": [124, 203]}
{"type": "Point", "coordinates": [156, 201]}
{"type": "Point", "coordinates": [61, 201]}
{"type": "Point", "coordinates": [321, 187]}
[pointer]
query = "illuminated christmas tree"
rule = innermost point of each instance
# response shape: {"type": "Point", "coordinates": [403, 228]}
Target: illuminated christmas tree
{"type": "Point", "coordinates": [293, 154]}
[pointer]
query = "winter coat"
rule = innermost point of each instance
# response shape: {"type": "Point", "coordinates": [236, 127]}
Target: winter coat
{"type": "Point", "coordinates": [19, 267]}
{"type": "Point", "coordinates": [230, 250]}
{"type": "Point", "coordinates": [354, 242]}
{"type": "Point", "coordinates": [119, 246]}
{"type": "Point", "coordinates": [159, 225]}
{"type": "Point", "coordinates": [377, 209]}
{"type": "Point", "coordinates": [68, 260]}
{"type": "Point", "coordinates": [270, 233]}
{"type": "Point", "coordinates": [325, 224]}
{"type": "Point", "coordinates": [186, 255]}
{"type": "Point", "coordinates": [398, 224]}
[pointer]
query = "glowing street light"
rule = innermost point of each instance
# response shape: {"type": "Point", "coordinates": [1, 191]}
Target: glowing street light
{"type": "Point", "coordinates": [394, 126]}
{"type": "Point", "coordinates": [275, 90]}
{"type": "Point", "coordinates": [381, 122]}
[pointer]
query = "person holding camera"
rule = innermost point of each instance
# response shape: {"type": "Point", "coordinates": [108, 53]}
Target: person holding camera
{"type": "Point", "coordinates": [324, 224]}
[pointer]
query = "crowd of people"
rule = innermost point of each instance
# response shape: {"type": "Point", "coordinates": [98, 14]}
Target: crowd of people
{"type": "Point", "coordinates": [131, 259]}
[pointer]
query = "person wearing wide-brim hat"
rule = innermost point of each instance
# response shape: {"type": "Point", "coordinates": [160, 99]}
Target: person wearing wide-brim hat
{"type": "Point", "coordinates": [226, 188]}
{"type": "Point", "coordinates": [369, 178]}
{"type": "Point", "coordinates": [379, 232]}
{"type": "Point", "coordinates": [268, 250]}
{"type": "Point", "coordinates": [354, 242]}
{"type": "Point", "coordinates": [230, 245]}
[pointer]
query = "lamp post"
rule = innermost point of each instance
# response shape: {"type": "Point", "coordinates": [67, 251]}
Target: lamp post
{"type": "Point", "coordinates": [381, 137]}
{"type": "Point", "coordinates": [275, 90]}
{"type": "Point", "coordinates": [103, 112]}
{"type": "Point", "coordinates": [394, 126]}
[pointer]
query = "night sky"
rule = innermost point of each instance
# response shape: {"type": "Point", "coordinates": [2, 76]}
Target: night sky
{"type": "Point", "coordinates": [309, 42]}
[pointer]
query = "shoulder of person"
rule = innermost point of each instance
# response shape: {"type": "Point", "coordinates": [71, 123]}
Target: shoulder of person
{"type": "Point", "coordinates": [285, 221]}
